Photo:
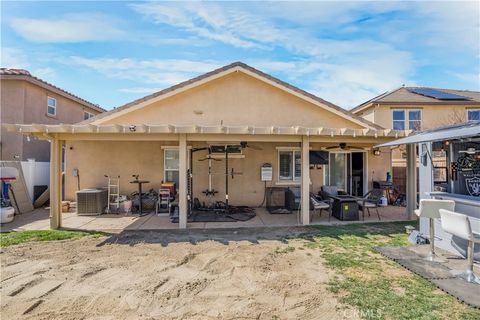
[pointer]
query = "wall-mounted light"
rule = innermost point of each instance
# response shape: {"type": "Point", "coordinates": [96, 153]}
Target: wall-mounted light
{"type": "Point", "coordinates": [132, 128]}
{"type": "Point", "coordinates": [376, 152]}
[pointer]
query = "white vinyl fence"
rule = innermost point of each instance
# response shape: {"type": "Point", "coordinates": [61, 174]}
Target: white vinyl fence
{"type": "Point", "coordinates": [36, 174]}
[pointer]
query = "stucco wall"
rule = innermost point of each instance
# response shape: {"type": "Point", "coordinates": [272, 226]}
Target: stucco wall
{"type": "Point", "coordinates": [432, 115]}
{"type": "Point", "coordinates": [24, 102]}
{"type": "Point", "coordinates": [236, 99]}
{"type": "Point", "coordinates": [96, 158]}
{"type": "Point", "coordinates": [12, 111]}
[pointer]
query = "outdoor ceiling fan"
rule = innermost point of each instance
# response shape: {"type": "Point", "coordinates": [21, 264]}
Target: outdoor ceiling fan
{"type": "Point", "coordinates": [344, 146]}
{"type": "Point", "coordinates": [244, 144]}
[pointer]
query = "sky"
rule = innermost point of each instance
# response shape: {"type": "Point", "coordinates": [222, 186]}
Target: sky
{"type": "Point", "coordinates": [111, 53]}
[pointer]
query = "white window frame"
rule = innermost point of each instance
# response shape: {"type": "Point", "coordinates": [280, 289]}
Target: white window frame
{"type": "Point", "coordinates": [164, 159]}
{"type": "Point", "coordinates": [406, 119]}
{"type": "Point", "coordinates": [468, 110]}
{"type": "Point", "coordinates": [51, 106]}
{"type": "Point", "coordinates": [90, 115]}
{"type": "Point", "coordinates": [295, 179]}
{"type": "Point", "coordinates": [165, 170]}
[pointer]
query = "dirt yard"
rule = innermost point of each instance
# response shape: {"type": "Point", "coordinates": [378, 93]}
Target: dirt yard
{"type": "Point", "coordinates": [174, 275]}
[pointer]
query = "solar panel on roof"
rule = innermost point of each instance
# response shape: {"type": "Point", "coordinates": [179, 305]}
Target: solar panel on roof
{"type": "Point", "coordinates": [436, 94]}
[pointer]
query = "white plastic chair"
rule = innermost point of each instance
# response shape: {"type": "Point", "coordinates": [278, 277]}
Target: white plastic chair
{"type": "Point", "coordinates": [458, 225]}
{"type": "Point", "coordinates": [429, 208]}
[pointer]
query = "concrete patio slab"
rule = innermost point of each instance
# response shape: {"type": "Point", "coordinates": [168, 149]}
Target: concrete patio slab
{"type": "Point", "coordinates": [39, 220]}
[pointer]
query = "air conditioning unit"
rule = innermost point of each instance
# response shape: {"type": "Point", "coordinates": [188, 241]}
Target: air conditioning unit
{"type": "Point", "coordinates": [91, 202]}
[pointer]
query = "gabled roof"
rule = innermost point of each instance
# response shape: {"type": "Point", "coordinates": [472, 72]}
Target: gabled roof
{"type": "Point", "coordinates": [405, 95]}
{"type": "Point", "coordinates": [22, 74]}
{"type": "Point", "coordinates": [215, 74]}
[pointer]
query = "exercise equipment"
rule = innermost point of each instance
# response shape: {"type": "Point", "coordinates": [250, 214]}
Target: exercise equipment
{"type": "Point", "coordinates": [219, 207]}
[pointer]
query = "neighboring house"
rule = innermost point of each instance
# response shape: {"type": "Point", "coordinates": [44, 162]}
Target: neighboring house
{"type": "Point", "coordinates": [26, 99]}
{"type": "Point", "coordinates": [270, 122]}
{"type": "Point", "coordinates": [420, 108]}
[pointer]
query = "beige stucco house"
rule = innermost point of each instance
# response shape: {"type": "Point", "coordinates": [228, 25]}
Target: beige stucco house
{"type": "Point", "coordinates": [273, 121]}
{"type": "Point", "coordinates": [420, 108]}
{"type": "Point", "coordinates": [27, 99]}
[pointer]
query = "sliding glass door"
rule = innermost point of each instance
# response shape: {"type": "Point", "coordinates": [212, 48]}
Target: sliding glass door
{"type": "Point", "coordinates": [338, 170]}
{"type": "Point", "coordinates": [347, 171]}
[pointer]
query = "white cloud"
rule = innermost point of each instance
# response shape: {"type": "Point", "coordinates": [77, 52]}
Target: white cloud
{"type": "Point", "coordinates": [471, 78]}
{"type": "Point", "coordinates": [349, 83]}
{"type": "Point", "coordinates": [336, 69]}
{"type": "Point", "coordinates": [142, 90]}
{"type": "Point", "coordinates": [45, 72]}
{"type": "Point", "coordinates": [13, 58]}
{"type": "Point", "coordinates": [210, 23]}
{"type": "Point", "coordinates": [77, 27]}
{"type": "Point", "coordinates": [161, 72]}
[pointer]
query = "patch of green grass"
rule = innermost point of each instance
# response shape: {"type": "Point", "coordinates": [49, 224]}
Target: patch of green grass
{"type": "Point", "coordinates": [376, 286]}
{"type": "Point", "coordinates": [18, 237]}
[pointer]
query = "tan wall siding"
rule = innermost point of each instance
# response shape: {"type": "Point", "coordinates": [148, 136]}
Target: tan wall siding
{"type": "Point", "coordinates": [236, 99]}
{"type": "Point", "coordinates": [23, 102]}
{"type": "Point", "coordinates": [12, 111]}
{"type": "Point", "coordinates": [378, 166]}
{"type": "Point", "coordinates": [432, 115]}
{"type": "Point", "coordinates": [96, 158]}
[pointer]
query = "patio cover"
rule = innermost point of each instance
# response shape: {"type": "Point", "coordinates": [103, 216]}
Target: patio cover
{"type": "Point", "coordinates": [453, 132]}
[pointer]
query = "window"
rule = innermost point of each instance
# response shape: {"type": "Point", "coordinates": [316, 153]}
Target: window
{"type": "Point", "coordinates": [171, 166]}
{"type": "Point", "coordinates": [51, 106]}
{"type": "Point", "coordinates": [87, 115]}
{"type": "Point", "coordinates": [413, 121]}
{"type": "Point", "coordinates": [473, 115]}
{"type": "Point", "coordinates": [398, 119]}
{"type": "Point", "coordinates": [289, 165]}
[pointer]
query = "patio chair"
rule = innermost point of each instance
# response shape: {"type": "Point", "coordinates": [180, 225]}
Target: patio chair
{"type": "Point", "coordinates": [429, 208]}
{"type": "Point", "coordinates": [370, 201]}
{"type": "Point", "coordinates": [459, 225]}
{"type": "Point", "coordinates": [327, 191]}
{"type": "Point", "coordinates": [320, 204]}
{"type": "Point", "coordinates": [163, 201]}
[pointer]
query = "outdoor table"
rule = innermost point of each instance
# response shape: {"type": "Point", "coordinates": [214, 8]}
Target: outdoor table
{"type": "Point", "coordinates": [140, 182]}
{"type": "Point", "coordinates": [345, 207]}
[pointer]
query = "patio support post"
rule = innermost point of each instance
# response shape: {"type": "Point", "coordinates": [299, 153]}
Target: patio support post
{"type": "Point", "coordinates": [182, 190]}
{"type": "Point", "coordinates": [411, 180]}
{"type": "Point", "coordinates": [55, 184]}
{"type": "Point", "coordinates": [305, 206]}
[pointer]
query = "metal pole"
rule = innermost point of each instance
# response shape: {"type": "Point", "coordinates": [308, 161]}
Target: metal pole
{"type": "Point", "coordinates": [226, 179]}
{"type": "Point", "coordinates": [411, 180]}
